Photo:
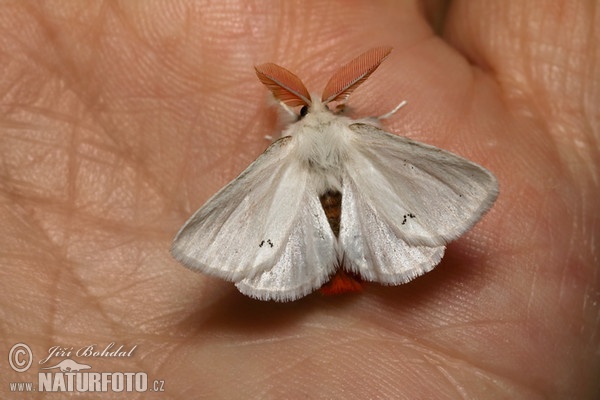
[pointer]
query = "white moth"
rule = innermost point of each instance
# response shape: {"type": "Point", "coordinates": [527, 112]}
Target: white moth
{"type": "Point", "coordinates": [401, 201]}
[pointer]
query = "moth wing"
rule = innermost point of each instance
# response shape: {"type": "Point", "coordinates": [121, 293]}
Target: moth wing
{"type": "Point", "coordinates": [403, 201]}
{"type": "Point", "coordinates": [244, 228]}
{"type": "Point", "coordinates": [307, 261]}
{"type": "Point", "coordinates": [371, 246]}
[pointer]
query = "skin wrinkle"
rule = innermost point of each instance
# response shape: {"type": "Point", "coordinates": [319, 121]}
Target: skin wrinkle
{"type": "Point", "coordinates": [429, 348]}
{"type": "Point", "coordinates": [445, 358]}
{"type": "Point", "coordinates": [555, 54]}
{"type": "Point", "coordinates": [431, 353]}
{"type": "Point", "coordinates": [453, 382]}
{"type": "Point", "coordinates": [74, 146]}
{"type": "Point", "coordinates": [532, 292]}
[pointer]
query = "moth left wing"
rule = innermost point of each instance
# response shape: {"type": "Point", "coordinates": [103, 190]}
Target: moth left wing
{"type": "Point", "coordinates": [307, 261]}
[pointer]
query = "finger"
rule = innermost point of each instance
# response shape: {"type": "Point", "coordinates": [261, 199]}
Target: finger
{"type": "Point", "coordinates": [537, 50]}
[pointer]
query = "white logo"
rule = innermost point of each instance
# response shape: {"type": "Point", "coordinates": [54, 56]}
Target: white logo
{"type": "Point", "coordinates": [20, 357]}
{"type": "Point", "coordinates": [68, 365]}
{"type": "Point", "coordinates": [69, 375]}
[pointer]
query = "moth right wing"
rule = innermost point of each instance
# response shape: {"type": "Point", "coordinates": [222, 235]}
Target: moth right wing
{"type": "Point", "coordinates": [403, 201]}
{"type": "Point", "coordinates": [373, 249]}
{"type": "Point", "coordinates": [247, 227]}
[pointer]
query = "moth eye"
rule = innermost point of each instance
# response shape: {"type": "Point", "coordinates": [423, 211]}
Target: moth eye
{"type": "Point", "coordinates": [303, 111]}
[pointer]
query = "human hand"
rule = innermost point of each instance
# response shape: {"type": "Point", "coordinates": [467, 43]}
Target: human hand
{"type": "Point", "coordinates": [119, 120]}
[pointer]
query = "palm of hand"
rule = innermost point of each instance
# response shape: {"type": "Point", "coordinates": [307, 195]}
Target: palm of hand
{"type": "Point", "coordinates": [110, 141]}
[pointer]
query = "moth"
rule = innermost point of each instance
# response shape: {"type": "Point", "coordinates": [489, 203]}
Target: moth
{"type": "Point", "coordinates": [334, 194]}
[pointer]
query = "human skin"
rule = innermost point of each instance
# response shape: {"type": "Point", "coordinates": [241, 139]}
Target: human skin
{"type": "Point", "coordinates": [118, 120]}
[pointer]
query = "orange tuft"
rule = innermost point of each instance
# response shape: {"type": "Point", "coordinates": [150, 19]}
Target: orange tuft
{"type": "Point", "coordinates": [342, 282]}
